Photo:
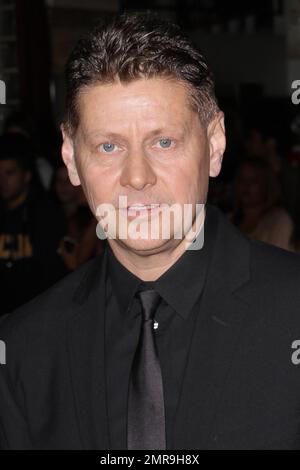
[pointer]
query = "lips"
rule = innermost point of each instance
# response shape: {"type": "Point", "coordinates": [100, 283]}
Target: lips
{"type": "Point", "coordinates": [142, 206]}
{"type": "Point", "coordinates": [141, 209]}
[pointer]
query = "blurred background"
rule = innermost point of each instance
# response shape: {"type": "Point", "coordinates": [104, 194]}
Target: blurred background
{"type": "Point", "coordinates": [253, 48]}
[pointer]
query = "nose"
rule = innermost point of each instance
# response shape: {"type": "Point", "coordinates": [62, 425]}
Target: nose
{"type": "Point", "coordinates": [137, 172]}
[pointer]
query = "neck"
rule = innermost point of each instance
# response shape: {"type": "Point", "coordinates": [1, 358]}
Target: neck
{"type": "Point", "coordinates": [151, 266]}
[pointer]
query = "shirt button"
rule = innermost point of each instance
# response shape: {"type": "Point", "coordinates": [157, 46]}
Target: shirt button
{"type": "Point", "coordinates": [155, 326]}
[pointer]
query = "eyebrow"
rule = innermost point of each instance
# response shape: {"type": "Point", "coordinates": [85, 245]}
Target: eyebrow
{"type": "Point", "coordinates": [115, 135]}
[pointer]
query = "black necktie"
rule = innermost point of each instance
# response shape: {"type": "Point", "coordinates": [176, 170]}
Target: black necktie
{"type": "Point", "coordinates": [146, 413]}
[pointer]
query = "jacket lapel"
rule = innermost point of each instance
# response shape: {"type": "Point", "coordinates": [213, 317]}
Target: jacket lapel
{"type": "Point", "coordinates": [216, 333]}
{"type": "Point", "coordinates": [86, 355]}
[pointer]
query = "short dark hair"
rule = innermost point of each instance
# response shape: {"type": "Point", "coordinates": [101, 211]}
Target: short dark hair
{"type": "Point", "coordinates": [138, 45]}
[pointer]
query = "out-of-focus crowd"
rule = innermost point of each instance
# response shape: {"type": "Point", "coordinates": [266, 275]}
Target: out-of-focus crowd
{"type": "Point", "coordinates": [46, 226]}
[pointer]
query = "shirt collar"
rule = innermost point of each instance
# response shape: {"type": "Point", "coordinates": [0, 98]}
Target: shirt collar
{"type": "Point", "coordinates": [180, 286]}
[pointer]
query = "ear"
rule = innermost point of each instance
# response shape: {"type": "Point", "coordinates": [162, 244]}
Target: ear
{"type": "Point", "coordinates": [67, 152]}
{"type": "Point", "coordinates": [217, 143]}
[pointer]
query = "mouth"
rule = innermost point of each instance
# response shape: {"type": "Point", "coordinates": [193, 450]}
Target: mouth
{"type": "Point", "coordinates": [141, 209]}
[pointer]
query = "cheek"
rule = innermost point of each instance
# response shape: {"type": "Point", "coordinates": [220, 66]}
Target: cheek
{"type": "Point", "coordinates": [194, 179]}
{"type": "Point", "coordinates": [184, 184]}
{"type": "Point", "coordinates": [96, 186]}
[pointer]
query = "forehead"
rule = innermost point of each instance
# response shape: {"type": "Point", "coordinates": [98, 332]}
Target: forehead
{"type": "Point", "coordinates": [145, 102]}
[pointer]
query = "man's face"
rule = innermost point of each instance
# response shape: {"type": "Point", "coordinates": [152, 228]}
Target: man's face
{"type": "Point", "coordinates": [143, 141]}
{"type": "Point", "coordinates": [13, 180]}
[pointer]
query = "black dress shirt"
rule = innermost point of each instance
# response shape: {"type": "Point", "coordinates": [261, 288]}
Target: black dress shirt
{"type": "Point", "coordinates": [181, 288]}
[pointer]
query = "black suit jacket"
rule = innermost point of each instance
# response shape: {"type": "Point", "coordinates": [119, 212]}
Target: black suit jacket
{"type": "Point", "coordinates": [241, 388]}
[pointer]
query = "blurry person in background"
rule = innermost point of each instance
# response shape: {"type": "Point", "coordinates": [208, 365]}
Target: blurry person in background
{"type": "Point", "coordinates": [19, 123]}
{"type": "Point", "coordinates": [15, 143]}
{"type": "Point", "coordinates": [80, 241]}
{"type": "Point", "coordinates": [30, 229]}
{"type": "Point", "coordinates": [253, 142]}
{"type": "Point", "coordinates": [263, 144]}
{"type": "Point", "coordinates": [258, 211]}
{"type": "Point", "coordinates": [272, 154]}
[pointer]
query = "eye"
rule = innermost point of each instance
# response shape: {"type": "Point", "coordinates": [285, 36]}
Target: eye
{"type": "Point", "coordinates": [107, 147]}
{"type": "Point", "coordinates": [165, 143]}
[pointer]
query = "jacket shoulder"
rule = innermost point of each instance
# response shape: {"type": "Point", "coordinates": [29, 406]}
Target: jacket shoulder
{"type": "Point", "coordinates": [53, 307]}
{"type": "Point", "coordinates": [273, 289]}
{"type": "Point", "coordinates": [274, 263]}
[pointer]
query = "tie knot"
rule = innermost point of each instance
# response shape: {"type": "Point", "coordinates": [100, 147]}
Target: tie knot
{"type": "Point", "coordinates": [149, 300]}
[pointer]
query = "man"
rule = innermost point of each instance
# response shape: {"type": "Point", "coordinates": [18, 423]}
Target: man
{"type": "Point", "coordinates": [82, 371]}
{"type": "Point", "coordinates": [29, 228]}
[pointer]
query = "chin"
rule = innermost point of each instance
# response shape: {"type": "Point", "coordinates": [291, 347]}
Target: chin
{"type": "Point", "coordinates": [147, 246]}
